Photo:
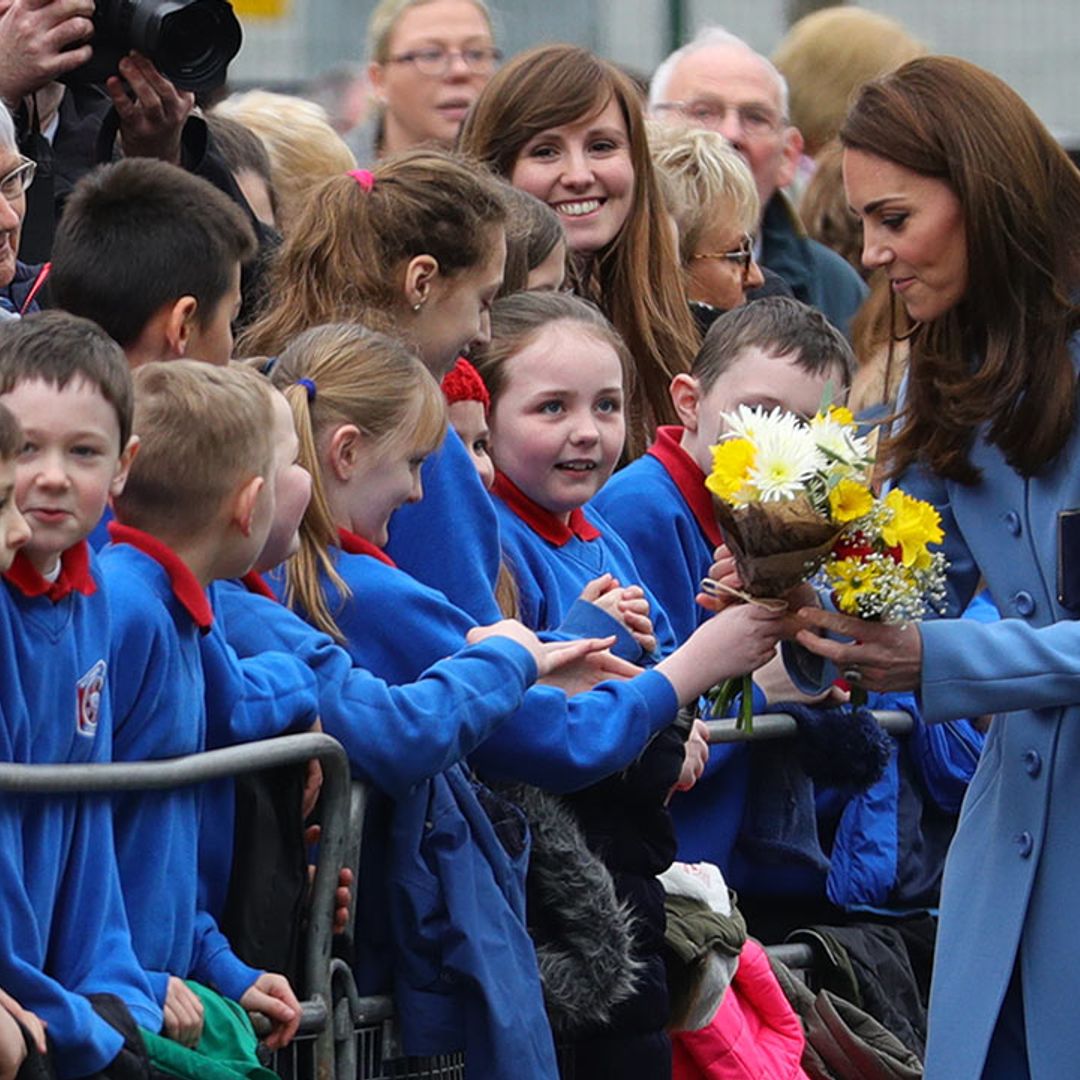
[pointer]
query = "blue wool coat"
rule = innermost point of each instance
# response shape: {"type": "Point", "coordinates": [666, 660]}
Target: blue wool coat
{"type": "Point", "coordinates": [1012, 876]}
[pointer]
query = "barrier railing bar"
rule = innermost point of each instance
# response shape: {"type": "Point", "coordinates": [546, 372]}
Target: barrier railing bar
{"type": "Point", "coordinates": [782, 726]}
{"type": "Point", "coordinates": [215, 765]}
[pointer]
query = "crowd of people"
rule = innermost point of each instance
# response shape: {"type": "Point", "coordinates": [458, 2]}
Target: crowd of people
{"type": "Point", "coordinates": [398, 428]}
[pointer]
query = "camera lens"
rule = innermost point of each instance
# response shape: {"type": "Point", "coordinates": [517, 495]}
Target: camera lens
{"type": "Point", "coordinates": [190, 41]}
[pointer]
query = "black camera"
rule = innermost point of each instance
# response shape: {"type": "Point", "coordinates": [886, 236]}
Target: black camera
{"type": "Point", "coordinates": [191, 42]}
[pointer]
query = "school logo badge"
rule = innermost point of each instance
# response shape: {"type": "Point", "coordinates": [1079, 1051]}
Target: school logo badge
{"type": "Point", "coordinates": [88, 691]}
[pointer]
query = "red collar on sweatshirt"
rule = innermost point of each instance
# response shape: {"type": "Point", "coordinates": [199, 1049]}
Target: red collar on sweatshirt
{"type": "Point", "coordinates": [255, 583]}
{"type": "Point", "coordinates": [543, 522]}
{"type": "Point", "coordinates": [186, 588]}
{"type": "Point", "coordinates": [357, 545]}
{"type": "Point", "coordinates": [688, 478]}
{"type": "Point", "coordinates": [74, 576]}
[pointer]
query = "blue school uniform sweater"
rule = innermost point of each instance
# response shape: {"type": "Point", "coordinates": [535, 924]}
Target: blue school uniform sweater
{"type": "Point", "coordinates": [160, 613]}
{"type": "Point", "coordinates": [397, 628]}
{"type": "Point", "coordinates": [68, 920]}
{"type": "Point", "coordinates": [442, 891]}
{"type": "Point", "coordinates": [661, 509]}
{"type": "Point", "coordinates": [553, 562]}
{"type": "Point", "coordinates": [395, 736]}
{"type": "Point", "coordinates": [449, 540]}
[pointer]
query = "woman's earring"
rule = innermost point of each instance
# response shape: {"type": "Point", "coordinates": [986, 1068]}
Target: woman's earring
{"type": "Point", "coordinates": [418, 305]}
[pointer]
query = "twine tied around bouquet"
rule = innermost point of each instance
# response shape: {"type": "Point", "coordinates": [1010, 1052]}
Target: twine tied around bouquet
{"type": "Point", "coordinates": [718, 590]}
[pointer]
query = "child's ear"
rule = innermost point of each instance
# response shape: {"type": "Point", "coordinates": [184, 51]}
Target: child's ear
{"type": "Point", "coordinates": [244, 502]}
{"type": "Point", "coordinates": [179, 325]}
{"type": "Point", "coordinates": [686, 397]}
{"type": "Point", "coordinates": [343, 451]}
{"type": "Point", "coordinates": [420, 275]}
{"type": "Point", "coordinates": [123, 467]}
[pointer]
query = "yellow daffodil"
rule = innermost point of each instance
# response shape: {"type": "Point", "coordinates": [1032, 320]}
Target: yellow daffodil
{"type": "Point", "coordinates": [836, 414]}
{"type": "Point", "coordinates": [732, 462]}
{"type": "Point", "coordinates": [850, 579]}
{"type": "Point", "coordinates": [914, 525]}
{"type": "Point", "coordinates": [850, 500]}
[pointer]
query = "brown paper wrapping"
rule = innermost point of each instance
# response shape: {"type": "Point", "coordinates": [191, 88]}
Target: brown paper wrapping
{"type": "Point", "coordinates": [776, 545]}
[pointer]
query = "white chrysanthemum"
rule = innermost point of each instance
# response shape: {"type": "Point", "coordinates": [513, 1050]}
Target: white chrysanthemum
{"type": "Point", "coordinates": [787, 457]}
{"type": "Point", "coordinates": [755, 424]}
{"type": "Point", "coordinates": [840, 443]}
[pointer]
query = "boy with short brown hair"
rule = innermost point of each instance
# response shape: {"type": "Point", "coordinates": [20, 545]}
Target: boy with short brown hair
{"type": "Point", "coordinates": [64, 937]}
{"type": "Point", "coordinates": [198, 507]}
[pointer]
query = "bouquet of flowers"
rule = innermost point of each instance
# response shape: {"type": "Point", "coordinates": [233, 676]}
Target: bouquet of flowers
{"type": "Point", "coordinates": [794, 500]}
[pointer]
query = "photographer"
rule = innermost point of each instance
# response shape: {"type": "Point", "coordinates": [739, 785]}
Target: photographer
{"type": "Point", "coordinates": [69, 128]}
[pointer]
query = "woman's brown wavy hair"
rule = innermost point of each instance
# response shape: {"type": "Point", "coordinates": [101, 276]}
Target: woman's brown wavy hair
{"type": "Point", "coordinates": [999, 360]}
{"type": "Point", "coordinates": [636, 280]}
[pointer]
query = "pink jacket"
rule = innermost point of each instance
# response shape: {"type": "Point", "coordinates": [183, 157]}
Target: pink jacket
{"type": "Point", "coordinates": [755, 1034]}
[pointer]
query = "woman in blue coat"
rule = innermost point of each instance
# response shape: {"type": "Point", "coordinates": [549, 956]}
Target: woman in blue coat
{"type": "Point", "coordinates": [973, 212]}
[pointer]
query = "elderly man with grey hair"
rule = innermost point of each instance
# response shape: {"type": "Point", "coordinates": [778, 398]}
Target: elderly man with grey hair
{"type": "Point", "coordinates": [19, 283]}
{"type": "Point", "coordinates": [717, 81]}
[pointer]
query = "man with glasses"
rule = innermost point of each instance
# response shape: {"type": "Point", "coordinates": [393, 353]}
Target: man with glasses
{"type": "Point", "coordinates": [19, 283]}
{"type": "Point", "coordinates": [719, 82]}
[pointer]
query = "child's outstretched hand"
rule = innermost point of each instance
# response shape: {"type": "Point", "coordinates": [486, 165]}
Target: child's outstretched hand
{"type": "Point", "coordinates": [695, 756]}
{"type": "Point", "coordinates": [550, 656]}
{"type": "Point", "coordinates": [736, 641]}
{"type": "Point", "coordinates": [183, 1013]}
{"type": "Point", "coordinates": [272, 996]}
{"type": "Point", "coordinates": [723, 572]}
{"type": "Point", "coordinates": [627, 604]}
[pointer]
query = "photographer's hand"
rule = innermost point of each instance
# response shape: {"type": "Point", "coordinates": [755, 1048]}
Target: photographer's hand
{"type": "Point", "coordinates": [152, 111]}
{"type": "Point", "coordinates": [40, 40]}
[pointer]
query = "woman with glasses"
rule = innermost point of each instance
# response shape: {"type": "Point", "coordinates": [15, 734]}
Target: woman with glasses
{"type": "Point", "coordinates": [429, 60]}
{"type": "Point", "coordinates": [567, 127]}
{"type": "Point", "coordinates": [972, 210]}
{"type": "Point", "coordinates": [716, 210]}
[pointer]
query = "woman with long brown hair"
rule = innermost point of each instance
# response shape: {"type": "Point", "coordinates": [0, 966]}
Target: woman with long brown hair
{"type": "Point", "coordinates": [973, 212]}
{"type": "Point", "coordinates": [567, 127]}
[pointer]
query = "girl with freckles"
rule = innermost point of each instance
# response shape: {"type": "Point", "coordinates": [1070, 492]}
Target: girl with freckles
{"type": "Point", "coordinates": [556, 373]}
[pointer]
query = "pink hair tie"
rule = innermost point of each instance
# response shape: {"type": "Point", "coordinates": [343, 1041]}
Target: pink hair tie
{"type": "Point", "coordinates": [364, 177]}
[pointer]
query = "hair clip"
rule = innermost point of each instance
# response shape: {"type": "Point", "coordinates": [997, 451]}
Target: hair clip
{"type": "Point", "coordinates": [364, 177]}
{"type": "Point", "coordinates": [309, 386]}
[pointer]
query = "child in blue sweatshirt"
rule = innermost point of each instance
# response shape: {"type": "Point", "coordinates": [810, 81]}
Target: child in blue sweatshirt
{"type": "Point", "coordinates": [556, 372]}
{"type": "Point", "coordinates": [64, 931]}
{"type": "Point", "coordinates": [21, 1031]}
{"type": "Point", "coordinates": [773, 352]}
{"type": "Point", "coordinates": [395, 736]}
{"type": "Point", "coordinates": [367, 415]}
{"type": "Point", "coordinates": [198, 506]}
{"type": "Point", "coordinates": [426, 256]}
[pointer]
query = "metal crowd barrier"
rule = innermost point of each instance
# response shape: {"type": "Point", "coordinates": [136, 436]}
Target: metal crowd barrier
{"type": "Point", "coordinates": [315, 1031]}
{"type": "Point", "coordinates": [783, 726]}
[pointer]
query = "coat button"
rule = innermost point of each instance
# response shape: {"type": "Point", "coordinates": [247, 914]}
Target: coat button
{"type": "Point", "coordinates": [1032, 761]}
{"type": "Point", "coordinates": [1024, 604]}
{"type": "Point", "coordinates": [1025, 844]}
{"type": "Point", "coordinates": [1012, 522]}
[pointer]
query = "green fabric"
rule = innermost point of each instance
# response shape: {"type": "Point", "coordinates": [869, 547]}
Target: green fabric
{"type": "Point", "coordinates": [693, 930]}
{"type": "Point", "coordinates": [226, 1050]}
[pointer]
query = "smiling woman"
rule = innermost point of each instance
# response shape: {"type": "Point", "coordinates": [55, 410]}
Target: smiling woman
{"type": "Point", "coordinates": [973, 211]}
{"type": "Point", "coordinates": [567, 127]}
